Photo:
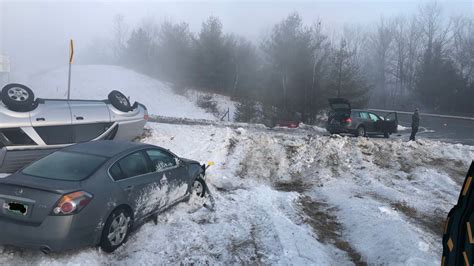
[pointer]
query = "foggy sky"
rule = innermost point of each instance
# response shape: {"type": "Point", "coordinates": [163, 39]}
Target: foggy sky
{"type": "Point", "coordinates": [35, 34]}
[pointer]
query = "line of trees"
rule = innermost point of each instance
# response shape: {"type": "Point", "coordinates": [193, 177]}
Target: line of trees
{"type": "Point", "coordinates": [402, 62]}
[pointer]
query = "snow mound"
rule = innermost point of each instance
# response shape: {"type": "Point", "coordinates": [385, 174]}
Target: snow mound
{"type": "Point", "coordinates": [294, 198]}
{"type": "Point", "coordinates": [96, 81]}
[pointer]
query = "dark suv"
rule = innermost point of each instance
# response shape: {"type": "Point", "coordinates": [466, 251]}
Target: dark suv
{"type": "Point", "coordinates": [343, 119]}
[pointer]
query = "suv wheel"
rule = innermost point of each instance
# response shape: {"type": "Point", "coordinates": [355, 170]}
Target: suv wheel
{"type": "Point", "coordinates": [119, 101]}
{"type": "Point", "coordinates": [116, 230]}
{"type": "Point", "coordinates": [361, 132]}
{"type": "Point", "coordinates": [18, 97]}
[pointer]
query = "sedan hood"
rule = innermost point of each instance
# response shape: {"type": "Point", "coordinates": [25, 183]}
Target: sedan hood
{"type": "Point", "coordinates": [188, 161]}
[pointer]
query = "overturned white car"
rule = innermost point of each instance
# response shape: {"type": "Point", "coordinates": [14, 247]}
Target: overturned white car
{"type": "Point", "coordinates": [32, 128]}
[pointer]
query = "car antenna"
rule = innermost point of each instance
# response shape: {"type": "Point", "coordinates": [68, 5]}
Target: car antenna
{"type": "Point", "coordinates": [71, 56]}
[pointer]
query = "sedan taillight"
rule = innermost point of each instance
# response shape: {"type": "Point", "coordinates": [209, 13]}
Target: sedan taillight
{"type": "Point", "coordinates": [72, 203]}
{"type": "Point", "coordinates": [348, 120]}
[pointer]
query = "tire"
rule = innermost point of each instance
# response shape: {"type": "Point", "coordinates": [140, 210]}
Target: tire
{"type": "Point", "coordinates": [361, 132]}
{"type": "Point", "coordinates": [119, 101]}
{"type": "Point", "coordinates": [199, 187]}
{"type": "Point", "coordinates": [18, 97]}
{"type": "Point", "coordinates": [109, 241]}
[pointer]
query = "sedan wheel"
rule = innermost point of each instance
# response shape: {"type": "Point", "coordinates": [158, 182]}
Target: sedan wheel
{"type": "Point", "coordinates": [199, 187]}
{"type": "Point", "coordinates": [116, 230]}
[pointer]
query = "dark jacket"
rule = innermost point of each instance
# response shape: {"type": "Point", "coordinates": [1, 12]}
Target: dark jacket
{"type": "Point", "coordinates": [415, 120]}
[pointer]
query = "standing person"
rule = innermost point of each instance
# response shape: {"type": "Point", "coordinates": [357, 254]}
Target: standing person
{"type": "Point", "coordinates": [415, 123]}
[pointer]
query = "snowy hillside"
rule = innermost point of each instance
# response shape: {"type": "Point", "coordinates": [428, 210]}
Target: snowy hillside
{"type": "Point", "coordinates": [295, 197]}
{"type": "Point", "coordinates": [96, 81]}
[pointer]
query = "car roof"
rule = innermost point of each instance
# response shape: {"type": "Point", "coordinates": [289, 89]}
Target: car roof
{"type": "Point", "coordinates": [106, 148]}
{"type": "Point", "coordinates": [361, 110]}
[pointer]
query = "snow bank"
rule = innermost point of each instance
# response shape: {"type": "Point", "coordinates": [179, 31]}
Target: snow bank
{"type": "Point", "coordinates": [295, 197]}
{"type": "Point", "coordinates": [403, 128]}
{"type": "Point", "coordinates": [96, 81]}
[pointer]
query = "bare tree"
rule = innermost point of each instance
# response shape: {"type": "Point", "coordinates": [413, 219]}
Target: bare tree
{"type": "Point", "coordinates": [120, 36]}
{"type": "Point", "coordinates": [380, 43]}
{"type": "Point", "coordinates": [463, 46]}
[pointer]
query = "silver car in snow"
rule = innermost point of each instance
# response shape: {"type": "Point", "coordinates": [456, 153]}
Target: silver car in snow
{"type": "Point", "coordinates": [32, 128]}
{"type": "Point", "coordinates": [93, 193]}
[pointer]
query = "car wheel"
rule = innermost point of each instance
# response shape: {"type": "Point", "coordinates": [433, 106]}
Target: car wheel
{"type": "Point", "coordinates": [116, 230]}
{"type": "Point", "coordinates": [360, 132]}
{"type": "Point", "coordinates": [18, 97]}
{"type": "Point", "coordinates": [199, 187]}
{"type": "Point", "coordinates": [119, 101]}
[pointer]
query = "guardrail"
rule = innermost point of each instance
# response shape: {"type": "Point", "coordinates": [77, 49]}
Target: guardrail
{"type": "Point", "coordinates": [426, 114]}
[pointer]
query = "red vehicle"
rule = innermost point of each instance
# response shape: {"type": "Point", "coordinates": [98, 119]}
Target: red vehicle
{"type": "Point", "coordinates": [288, 124]}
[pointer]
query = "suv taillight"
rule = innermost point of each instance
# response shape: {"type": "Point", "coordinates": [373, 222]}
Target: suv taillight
{"type": "Point", "coordinates": [146, 117]}
{"type": "Point", "coordinates": [348, 120]}
{"type": "Point", "coordinates": [72, 203]}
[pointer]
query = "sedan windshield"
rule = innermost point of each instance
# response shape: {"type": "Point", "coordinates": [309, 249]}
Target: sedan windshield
{"type": "Point", "coordinates": [69, 166]}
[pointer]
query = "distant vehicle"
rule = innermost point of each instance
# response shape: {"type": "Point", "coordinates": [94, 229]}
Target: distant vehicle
{"type": "Point", "coordinates": [93, 193]}
{"type": "Point", "coordinates": [343, 119]}
{"type": "Point", "coordinates": [458, 239]}
{"type": "Point", "coordinates": [288, 124]}
{"type": "Point", "coordinates": [32, 128]}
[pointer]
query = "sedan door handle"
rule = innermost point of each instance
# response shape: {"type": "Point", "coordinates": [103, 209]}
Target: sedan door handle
{"type": "Point", "coordinates": [40, 119]}
{"type": "Point", "coordinates": [79, 118]}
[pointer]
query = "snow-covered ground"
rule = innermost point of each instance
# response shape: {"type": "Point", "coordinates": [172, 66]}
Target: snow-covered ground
{"type": "Point", "coordinates": [96, 81]}
{"type": "Point", "coordinates": [223, 103]}
{"type": "Point", "coordinates": [293, 197]}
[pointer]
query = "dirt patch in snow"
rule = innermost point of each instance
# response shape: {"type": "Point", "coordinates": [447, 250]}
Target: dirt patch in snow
{"type": "Point", "coordinates": [296, 185]}
{"type": "Point", "coordinates": [433, 223]}
{"type": "Point", "coordinates": [320, 216]}
{"type": "Point", "coordinates": [231, 146]}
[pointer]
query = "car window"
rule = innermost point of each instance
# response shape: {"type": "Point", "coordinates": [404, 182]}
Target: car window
{"type": "Point", "coordinates": [374, 117]}
{"type": "Point", "coordinates": [116, 172]}
{"type": "Point", "coordinates": [161, 159]}
{"type": "Point", "coordinates": [364, 115]}
{"type": "Point", "coordinates": [133, 165]}
{"type": "Point", "coordinates": [69, 166]}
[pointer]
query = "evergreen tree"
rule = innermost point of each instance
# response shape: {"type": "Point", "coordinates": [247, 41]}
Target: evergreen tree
{"type": "Point", "coordinates": [246, 111]}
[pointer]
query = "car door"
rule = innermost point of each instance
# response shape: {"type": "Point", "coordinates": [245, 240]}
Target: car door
{"type": "Point", "coordinates": [391, 122]}
{"type": "Point", "coordinates": [366, 121]}
{"type": "Point", "coordinates": [173, 171]}
{"type": "Point", "coordinates": [51, 119]}
{"type": "Point", "coordinates": [144, 189]}
{"type": "Point", "coordinates": [90, 119]}
{"type": "Point", "coordinates": [376, 124]}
